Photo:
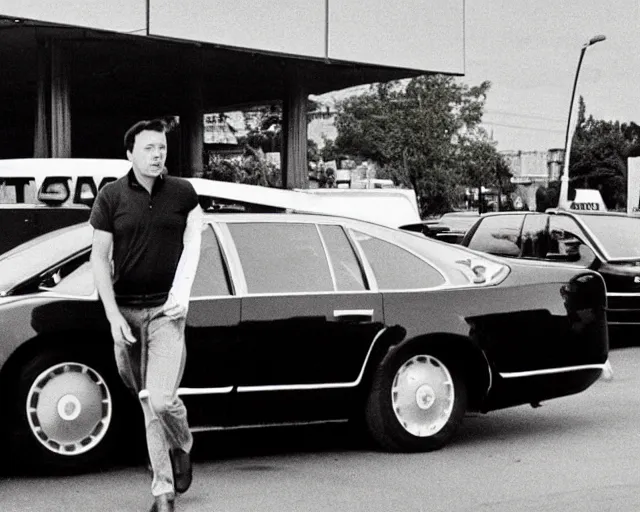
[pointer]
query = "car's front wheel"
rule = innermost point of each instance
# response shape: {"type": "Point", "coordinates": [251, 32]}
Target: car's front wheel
{"type": "Point", "coordinates": [65, 410]}
{"type": "Point", "coordinates": [417, 400]}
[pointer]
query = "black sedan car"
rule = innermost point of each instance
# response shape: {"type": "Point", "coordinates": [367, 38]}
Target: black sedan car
{"type": "Point", "coordinates": [298, 319]}
{"type": "Point", "coordinates": [606, 242]}
{"type": "Point", "coordinates": [450, 227]}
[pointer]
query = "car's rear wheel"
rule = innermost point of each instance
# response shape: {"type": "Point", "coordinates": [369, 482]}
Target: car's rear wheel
{"type": "Point", "coordinates": [417, 400]}
{"type": "Point", "coordinates": [67, 410]}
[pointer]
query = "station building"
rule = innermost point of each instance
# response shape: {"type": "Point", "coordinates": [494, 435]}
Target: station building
{"type": "Point", "coordinates": [75, 74]}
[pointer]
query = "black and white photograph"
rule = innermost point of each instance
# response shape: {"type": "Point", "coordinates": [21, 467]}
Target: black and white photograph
{"type": "Point", "coordinates": [283, 256]}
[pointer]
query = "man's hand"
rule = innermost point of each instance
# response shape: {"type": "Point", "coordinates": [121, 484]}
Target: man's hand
{"type": "Point", "coordinates": [121, 331]}
{"type": "Point", "coordinates": [176, 306]}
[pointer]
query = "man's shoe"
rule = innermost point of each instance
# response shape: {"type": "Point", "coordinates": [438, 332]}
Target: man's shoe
{"type": "Point", "coordinates": [162, 503]}
{"type": "Point", "coordinates": [182, 470]}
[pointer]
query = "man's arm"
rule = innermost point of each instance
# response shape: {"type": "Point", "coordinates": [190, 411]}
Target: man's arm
{"type": "Point", "coordinates": [101, 265]}
{"type": "Point", "coordinates": [178, 302]}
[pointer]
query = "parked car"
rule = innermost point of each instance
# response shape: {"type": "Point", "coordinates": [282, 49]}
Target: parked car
{"type": "Point", "coordinates": [297, 319]}
{"type": "Point", "coordinates": [450, 227]}
{"type": "Point", "coordinates": [606, 242]}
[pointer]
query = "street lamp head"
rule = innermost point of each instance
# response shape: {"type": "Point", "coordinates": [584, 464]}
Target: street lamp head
{"type": "Point", "coordinates": [596, 39]}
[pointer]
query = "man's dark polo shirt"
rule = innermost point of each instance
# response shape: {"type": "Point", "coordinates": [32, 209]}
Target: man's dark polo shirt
{"type": "Point", "coordinates": [147, 234]}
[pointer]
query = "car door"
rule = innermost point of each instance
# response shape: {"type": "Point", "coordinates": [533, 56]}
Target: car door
{"type": "Point", "coordinates": [567, 242]}
{"type": "Point", "coordinates": [308, 321]}
{"type": "Point", "coordinates": [211, 335]}
{"type": "Point", "coordinates": [534, 239]}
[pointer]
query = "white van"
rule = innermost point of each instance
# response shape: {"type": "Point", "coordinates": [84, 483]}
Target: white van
{"type": "Point", "coordinates": [56, 181]}
{"type": "Point", "coordinates": [38, 195]}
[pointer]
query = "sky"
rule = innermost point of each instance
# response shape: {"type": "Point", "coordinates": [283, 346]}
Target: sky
{"type": "Point", "coordinates": [529, 51]}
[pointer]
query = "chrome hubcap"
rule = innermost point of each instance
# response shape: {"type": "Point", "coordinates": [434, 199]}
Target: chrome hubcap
{"type": "Point", "coordinates": [69, 408]}
{"type": "Point", "coordinates": [423, 395]}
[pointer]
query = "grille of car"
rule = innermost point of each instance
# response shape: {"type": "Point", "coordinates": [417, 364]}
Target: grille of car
{"type": "Point", "coordinates": [623, 309]}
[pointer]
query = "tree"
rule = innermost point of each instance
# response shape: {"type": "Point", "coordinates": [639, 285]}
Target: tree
{"type": "Point", "coordinates": [418, 132]}
{"type": "Point", "coordinates": [599, 154]}
{"type": "Point", "coordinates": [482, 166]}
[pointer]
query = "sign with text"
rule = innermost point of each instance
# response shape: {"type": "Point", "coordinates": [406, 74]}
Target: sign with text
{"type": "Point", "coordinates": [633, 185]}
{"type": "Point", "coordinates": [585, 206]}
{"type": "Point", "coordinates": [589, 200]}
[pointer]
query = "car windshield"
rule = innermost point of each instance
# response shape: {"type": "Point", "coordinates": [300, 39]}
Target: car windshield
{"type": "Point", "coordinates": [618, 235]}
{"type": "Point", "coordinates": [35, 256]}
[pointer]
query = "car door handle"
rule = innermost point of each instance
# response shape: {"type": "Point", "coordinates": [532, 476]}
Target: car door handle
{"type": "Point", "coordinates": [353, 315]}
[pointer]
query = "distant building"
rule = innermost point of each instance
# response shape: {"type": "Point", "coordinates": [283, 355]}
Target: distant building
{"type": "Point", "coordinates": [532, 170]}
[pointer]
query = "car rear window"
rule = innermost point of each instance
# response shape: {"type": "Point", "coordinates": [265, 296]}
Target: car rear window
{"type": "Point", "coordinates": [396, 268]}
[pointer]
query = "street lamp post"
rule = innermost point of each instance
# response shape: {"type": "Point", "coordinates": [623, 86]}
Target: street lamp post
{"type": "Point", "coordinates": [563, 201]}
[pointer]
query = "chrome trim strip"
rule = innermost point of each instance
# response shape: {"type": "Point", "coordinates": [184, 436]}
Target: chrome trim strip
{"type": "Point", "coordinates": [327, 258]}
{"type": "Point", "coordinates": [144, 393]}
{"type": "Point", "coordinates": [201, 298]}
{"type": "Point", "coordinates": [305, 387]}
{"type": "Point", "coordinates": [353, 312]}
{"type": "Point", "coordinates": [550, 371]}
{"type": "Point", "coordinates": [372, 282]}
{"type": "Point", "coordinates": [623, 294]}
{"type": "Point", "coordinates": [204, 391]}
{"type": "Point", "coordinates": [232, 258]}
{"type": "Point", "coordinates": [51, 294]}
{"type": "Point", "coordinates": [218, 233]}
{"type": "Point", "coordinates": [266, 425]}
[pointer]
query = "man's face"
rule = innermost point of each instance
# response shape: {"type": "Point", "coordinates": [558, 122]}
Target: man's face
{"type": "Point", "coordinates": [149, 153]}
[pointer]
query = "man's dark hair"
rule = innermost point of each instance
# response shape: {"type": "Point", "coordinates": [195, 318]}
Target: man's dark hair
{"type": "Point", "coordinates": [155, 125]}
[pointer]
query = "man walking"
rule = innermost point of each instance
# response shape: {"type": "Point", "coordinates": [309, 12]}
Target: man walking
{"type": "Point", "coordinates": [146, 246]}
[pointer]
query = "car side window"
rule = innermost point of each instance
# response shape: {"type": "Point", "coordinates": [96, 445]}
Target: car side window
{"type": "Point", "coordinates": [566, 241]}
{"type": "Point", "coordinates": [498, 234]}
{"type": "Point", "coordinates": [212, 277]}
{"type": "Point", "coordinates": [534, 239]}
{"type": "Point", "coordinates": [344, 262]}
{"type": "Point", "coordinates": [396, 268]}
{"type": "Point", "coordinates": [282, 257]}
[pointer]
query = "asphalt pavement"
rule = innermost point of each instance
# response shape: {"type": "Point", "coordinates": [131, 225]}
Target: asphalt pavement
{"type": "Point", "coordinates": [578, 453]}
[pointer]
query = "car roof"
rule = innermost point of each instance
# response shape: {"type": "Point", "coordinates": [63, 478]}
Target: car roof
{"type": "Point", "coordinates": [381, 207]}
